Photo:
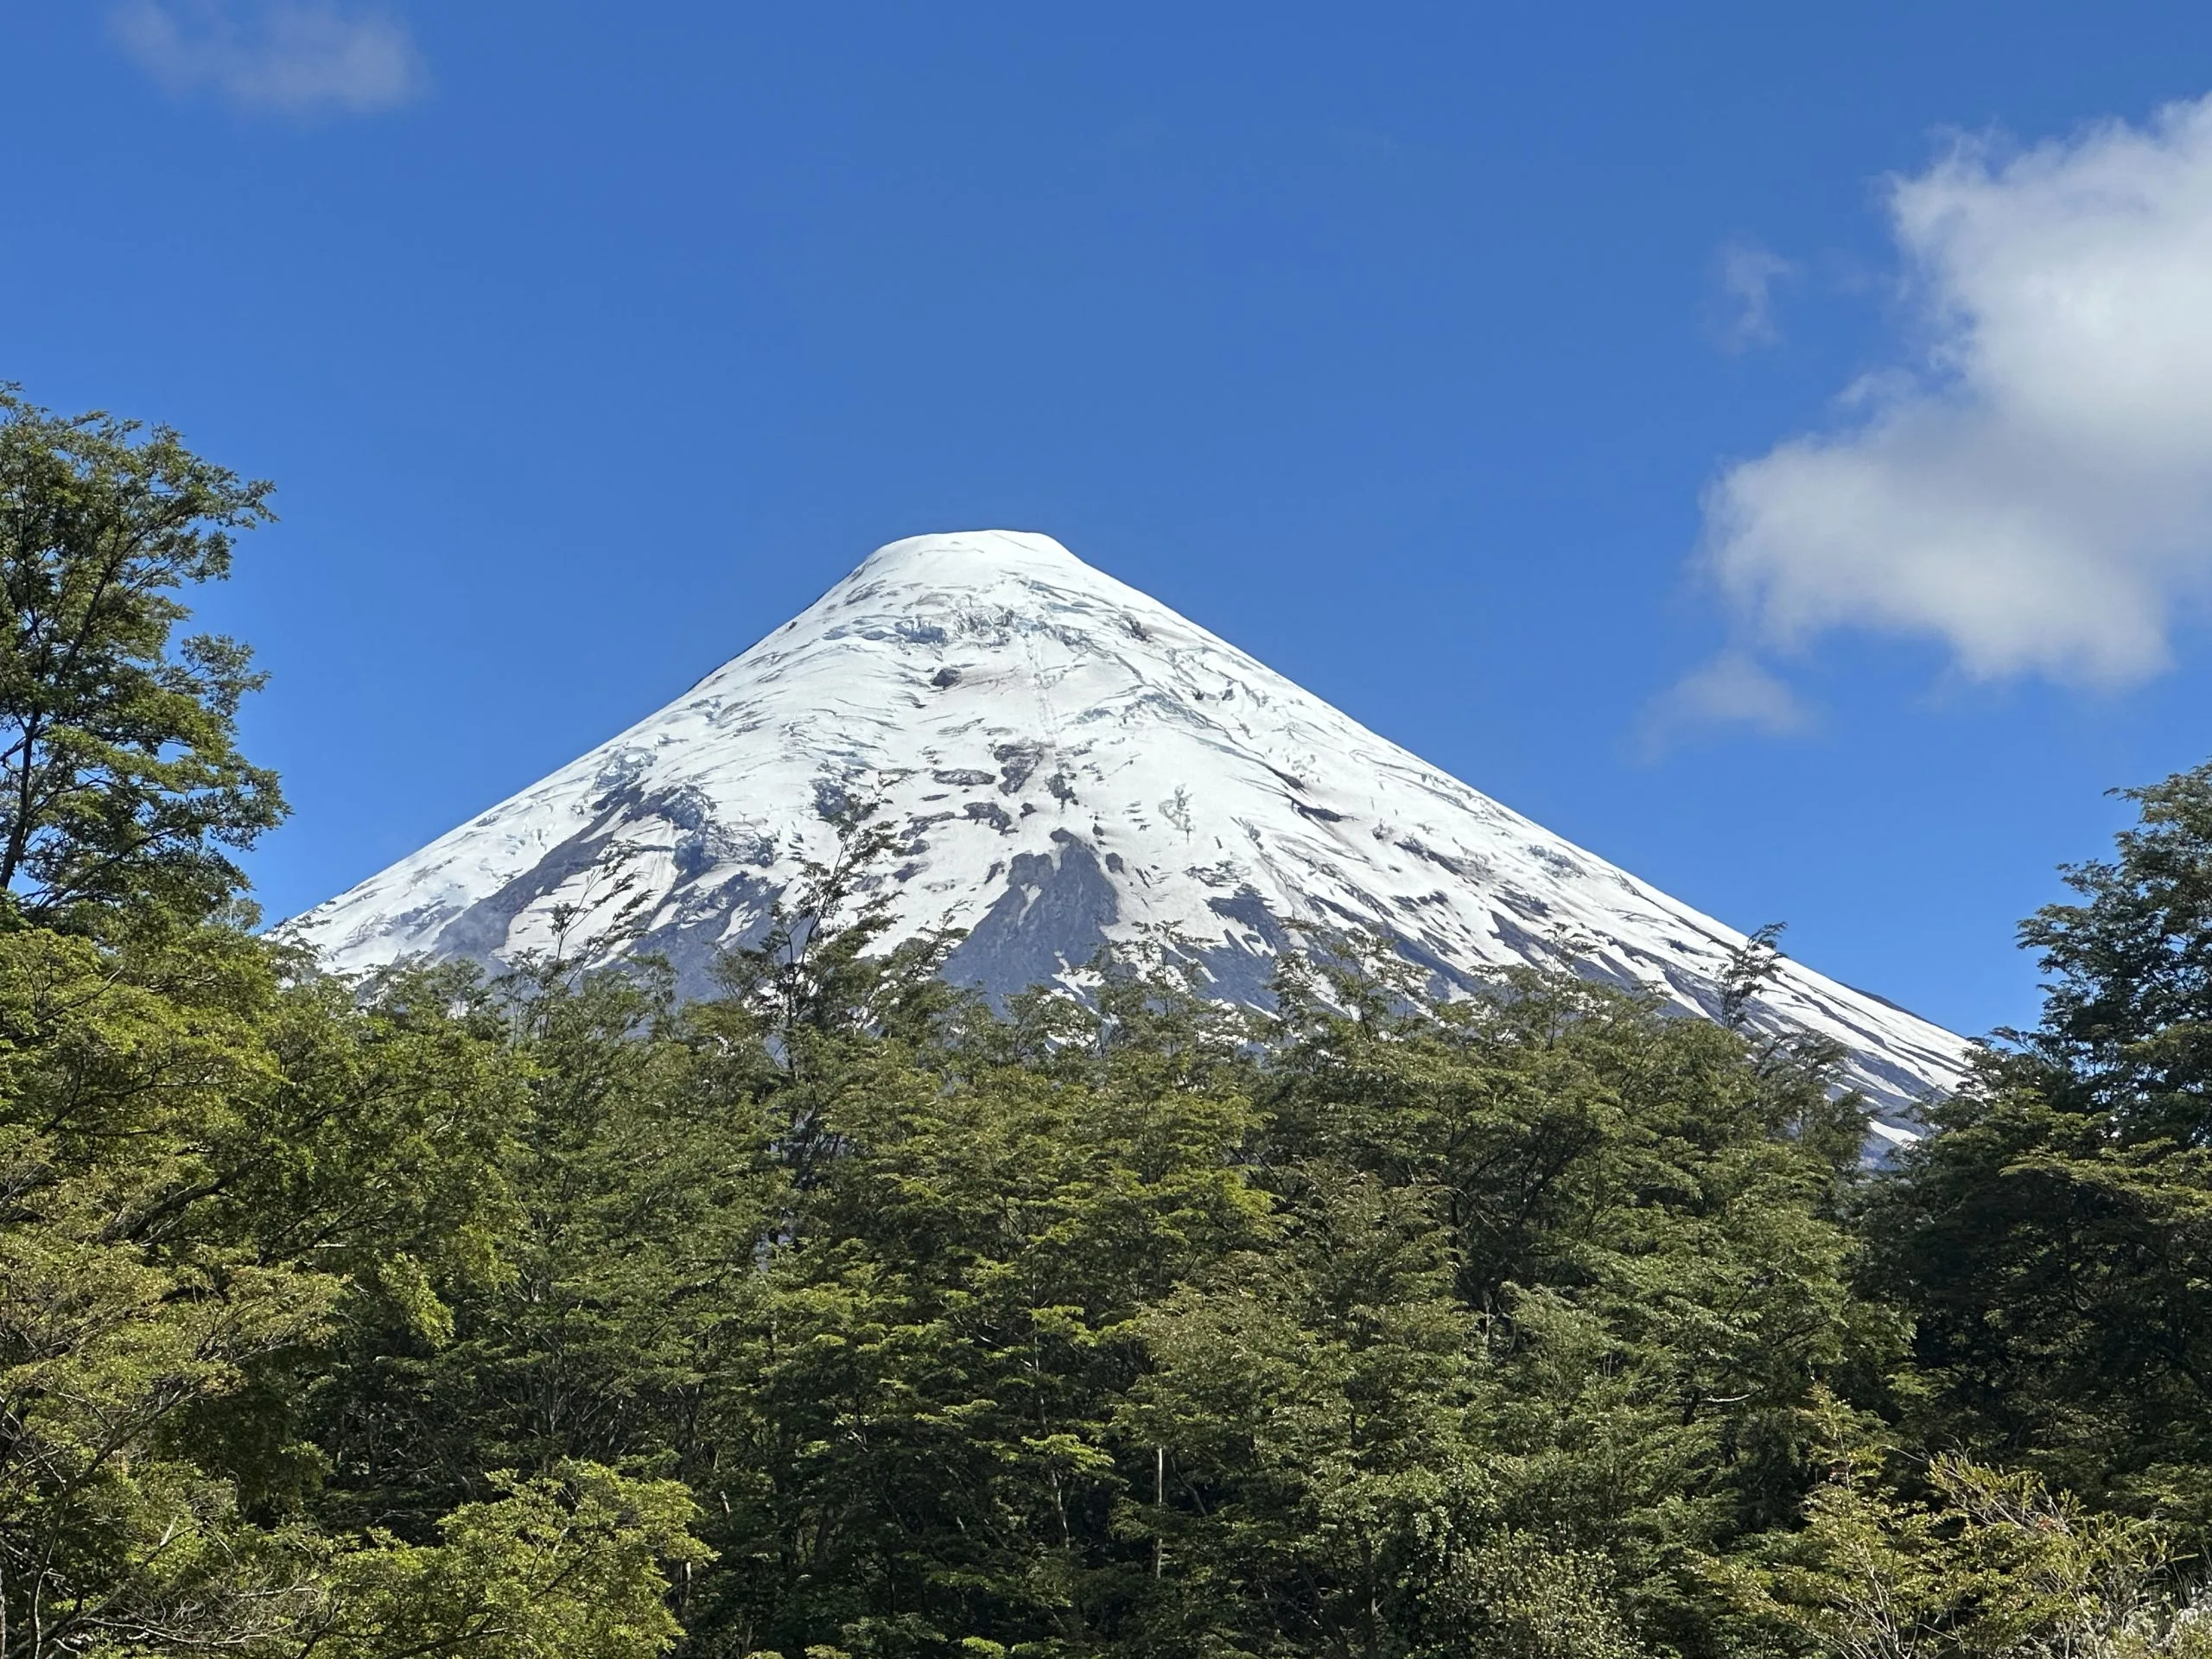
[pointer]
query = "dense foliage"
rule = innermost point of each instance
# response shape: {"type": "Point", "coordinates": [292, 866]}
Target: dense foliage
{"type": "Point", "coordinates": [841, 1315]}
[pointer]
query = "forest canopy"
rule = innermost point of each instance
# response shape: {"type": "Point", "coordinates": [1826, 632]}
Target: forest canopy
{"type": "Point", "coordinates": [839, 1314]}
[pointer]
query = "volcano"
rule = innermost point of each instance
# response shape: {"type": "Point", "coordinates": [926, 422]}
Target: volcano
{"type": "Point", "coordinates": [1064, 762]}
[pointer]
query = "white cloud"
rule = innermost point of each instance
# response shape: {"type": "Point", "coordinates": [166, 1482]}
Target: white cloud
{"type": "Point", "coordinates": [1746, 274]}
{"type": "Point", "coordinates": [2032, 485]}
{"type": "Point", "coordinates": [1730, 689]}
{"type": "Point", "coordinates": [296, 56]}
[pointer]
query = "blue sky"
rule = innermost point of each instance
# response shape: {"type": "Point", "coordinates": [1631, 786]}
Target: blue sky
{"type": "Point", "coordinates": [1718, 431]}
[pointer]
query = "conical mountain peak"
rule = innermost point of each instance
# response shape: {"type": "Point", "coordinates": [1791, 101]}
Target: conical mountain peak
{"type": "Point", "coordinates": [956, 557]}
{"type": "Point", "coordinates": [1064, 762]}
{"type": "Point", "coordinates": [958, 570]}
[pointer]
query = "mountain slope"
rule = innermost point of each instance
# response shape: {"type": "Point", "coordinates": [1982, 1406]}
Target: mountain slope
{"type": "Point", "coordinates": [1066, 761]}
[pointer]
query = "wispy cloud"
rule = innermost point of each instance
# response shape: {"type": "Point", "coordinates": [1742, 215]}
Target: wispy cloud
{"type": "Point", "coordinates": [1745, 273]}
{"type": "Point", "coordinates": [1732, 690]}
{"type": "Point", "coordinates": [2031, 486]}
{"type": "Point", "coordinates": [298, 57]}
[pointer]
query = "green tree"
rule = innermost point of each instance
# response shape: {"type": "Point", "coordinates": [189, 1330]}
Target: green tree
{"type": "Point", "coordinates": [235, 1216]}
{"type": "Point", "coordinates": [922, 1449]}
{"type": "Point", "coordinates": [226, 1184]}
{"type": "Point", "coordinates": [568, 1566]}
{"type": "Point", "coordinates": [633, 1190]}
{"type": "Point", "coordinates": [2053, 1243]}
{"type": "Point", "coordinates": [1989, 1564]}
{"type": "Point", "coordinates": [115, 1532]}
{"type": "Point", "coordinates": [2127, 1028]}
{"type": "Point", "coordinates": [121, 784]}
{"type": "Point", "coordinates": [1640, 1213]}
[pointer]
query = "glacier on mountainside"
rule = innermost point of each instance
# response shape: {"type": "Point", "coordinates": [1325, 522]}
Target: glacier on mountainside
{"type": "Point", "coordinates": [1065, 761]}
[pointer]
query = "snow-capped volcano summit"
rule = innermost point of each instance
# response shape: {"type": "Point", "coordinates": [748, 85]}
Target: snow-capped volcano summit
{"type": "Point", "coordinates": [1065, 762]}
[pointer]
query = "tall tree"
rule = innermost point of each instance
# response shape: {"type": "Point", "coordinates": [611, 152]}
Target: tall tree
{"type": "Point", "coordinates": [2054, 1244]}
{"type": "Point", "coordinates": [2127, 1019]}
{"type": "Point", "coordinates": [120, 778]}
